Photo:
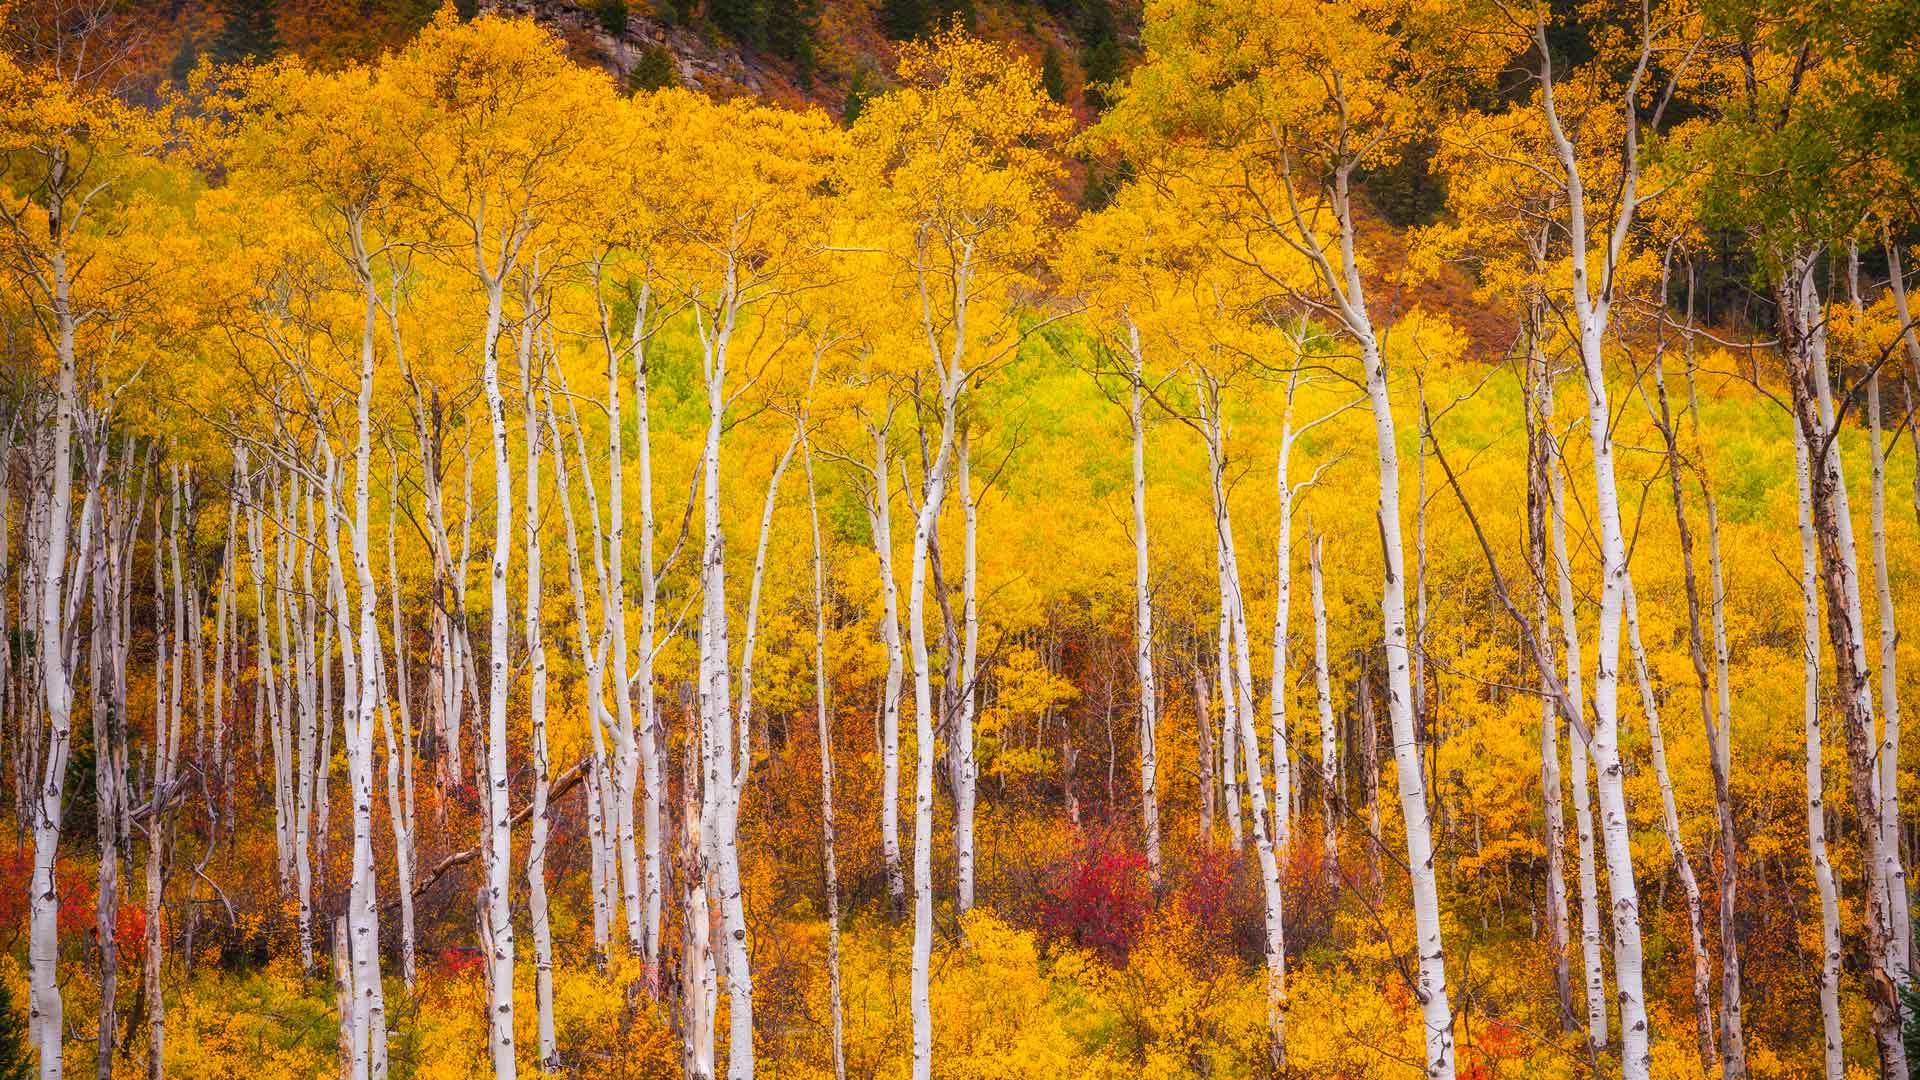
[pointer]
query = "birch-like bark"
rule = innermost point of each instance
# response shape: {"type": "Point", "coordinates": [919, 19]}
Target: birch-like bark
{"type": "Point", "coordinates": [367, 698]}
{"type": "Point", "coordinates": [926, 520]}
{"type": "Point", "coordinates": [880, 516]}
{"type": "Point", "coordinates": [1143, 614]}
{"type": "Point", "coordinates": [601, 814]}
{"type": "Point", "coordinates": [636, 753]}
{"type": "Point", "coordinates": [111, 578]}
{"type": "Point", "coordinates": [966, 768]}
{"type": "Point", "coordinates": [531, 314]}
{"type": "Point", "coordinates": [1591, 944]}
{"type": "Point", "coordinates": [1670, 825]}
{"type": "Point", "coordinates": [1591, 305]}
{"type": "Point", "coordinates": [1888, 755]}
{"type": "Point", "coordinates": [400, 804]}
{"type": "Point", "coordinates": [829, 868]}
{"type": "Point", "coordinates": [1539, 498]}
{"type": "Point", "coordinates": [1703, 1006]}
{"type": "Point", "coordinates": [50, 555]}
{"type": "Point", "coordinates": [171, 626]}
{"type": "Point", "coordinates": [1283, 781]}
{"type": "Point", "coordinates": [499, 847]}
{"type": "Point", "coordinates": [1804, 339]}
{"type": "Point", "coordinates": [1275, 927]}
{"type": "Point", "coordinates": [1230, 698]}
{"type": "Point", "coordinates": [1323, 694]}
{"type": "Point", "coordinates": [1203, 722]}
{"type": "Point", "coordinates": [1348, 297]}
{"type": "Point", "coordinates": [1833, 1048]}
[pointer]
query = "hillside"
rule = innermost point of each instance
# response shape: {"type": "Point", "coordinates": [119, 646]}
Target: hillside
{"type": "Point", "coordinates": [818, 52]}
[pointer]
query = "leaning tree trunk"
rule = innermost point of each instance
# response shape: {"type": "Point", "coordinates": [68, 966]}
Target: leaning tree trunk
{"type": "Point", "coordinates": [1539, 498]}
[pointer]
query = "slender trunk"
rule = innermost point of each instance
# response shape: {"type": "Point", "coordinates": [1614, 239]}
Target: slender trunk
{"type": "Point", "coordinates": [1203, 722]}
{"type": "Point", "coordinates": [1323, 693]}
{"type": "Point", "coordinates": [1143, 616]}
{"type": "Point", "coordinates": [1889, 751]}
{"type": "Point", "coordinates": [400, 756]}
{"type": "Point", "coordinates": [1539, 498]}
{"type": "Point", "coordinates": [1803, 334]}
{"type": "Point", "coordinates": [56, 682]}
{"type": "Point", "coordinates": [1833, 1055]}
{"type": "Point", "coordinates": [966, 770]}
{"type": "Point", "coordinates": [1591, 942]}
{"type": "Point", "coordinates": [926, 521]}
{"type": "Point", "coordinates": [537, 702]}
{"type": "Point", "coordinates": [498, 916]}
{"type": "Point", "coordinates": [881, 518]}
{"type": "Point", "coordinates": [829, 870]}
{"type": "Point", "coordinates": [1276, 940]}
{"type": "Point", "coordinates": [1670, 825]}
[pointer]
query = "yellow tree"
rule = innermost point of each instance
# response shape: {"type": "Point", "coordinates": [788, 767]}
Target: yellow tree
{"type": "Point", "coordinates": [68, 151]}
{"type": "Point", "coordinates": [1297, 97]}
{"type": "Point", "coordinates": [959, 169]}
{"type": "Point", "coordinates": [498, 129]}
{"type": "Point", "coordinates": [746, 231]}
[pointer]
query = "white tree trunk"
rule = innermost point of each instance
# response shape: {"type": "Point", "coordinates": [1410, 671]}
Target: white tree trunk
{"type": "Point", "coordinates": [400, 803]}
{"type": "Point", "coordinates": [829, 869]}
{"type": "Point", "coordinates": [966, 771]}
{"type": "Point", "coordinates": [1889, 753]}
{"type": "Point", "coordinates": [879, 510]}
{"type": "Point", "coordinates": [1803, 323]}
{"type": "Point", "coordinates": [1591, 938]}
{"type": "Point", "coordinates": [499, 846]}
{"type": "Point", "coordinates": [1143, 616]}
{"type": "Point", "coordinates": [1329, 746]}
{"type": "Point", "coordinates": [1833, 1043]}
{"type": "Point", "coordinates": [537, 700]}
{"type": "Point", "coordinates": [1670, 824]}
{"type": "Point", "coordinates": [925, 522]}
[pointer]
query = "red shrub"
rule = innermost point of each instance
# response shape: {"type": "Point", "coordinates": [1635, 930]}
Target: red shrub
{"type": "Point", "coordinates": [1098, 897]}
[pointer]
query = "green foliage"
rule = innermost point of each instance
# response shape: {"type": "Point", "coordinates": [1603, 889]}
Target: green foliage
{"type": "Point", "coordinates": [903, 20]}
{"type": "Point", "coordinates": [1051, 76]}
{"type": "Point", "coordinates": [781, 27]}
{"type": "Point", "coordinates": [15, 1059]}
{"type": "Point", "coordinates": [249, 30]}
{"type": "Point", "coordinates": [860, 88]}
{"type": "Point", "coordinates": [653, 69]}
{"type": "Point", "coordinates": [1910, 1025]}
{"type": "Point", "coordinates": [1101, 57]}
{"type": "Point", "coordinates": [185, 59]}
{"type": "Point", "coordinates": [1405, 190]}
{"type": "Point", "coordinates": [612, 15]}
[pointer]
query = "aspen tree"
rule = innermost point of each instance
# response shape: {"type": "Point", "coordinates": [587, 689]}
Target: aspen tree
{"type": "Point", "coordinates": [959, 165]}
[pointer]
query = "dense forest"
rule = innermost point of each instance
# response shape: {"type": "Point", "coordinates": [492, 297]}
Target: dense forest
{"type": "Point", "coordinates": [1371, 540]}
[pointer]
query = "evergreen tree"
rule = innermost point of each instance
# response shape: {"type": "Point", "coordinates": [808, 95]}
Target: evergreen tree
{"type": "Point", "coordinates": [249, 30]}
{"type": "Point", "coordinates": [653, 69]}
{"type": "Point", "coordinates": [1051, 76]}
{"type": "Point", "coordinates": [15, 1059]}
{"type": "Point", "coordinates": [904, 20]}
{"type": "Point", "coordinates": [185, 59]}
{"type": "Point", "coordinates": [612, 15]}
{"type": "Point", "coordinates": [859, 89]}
